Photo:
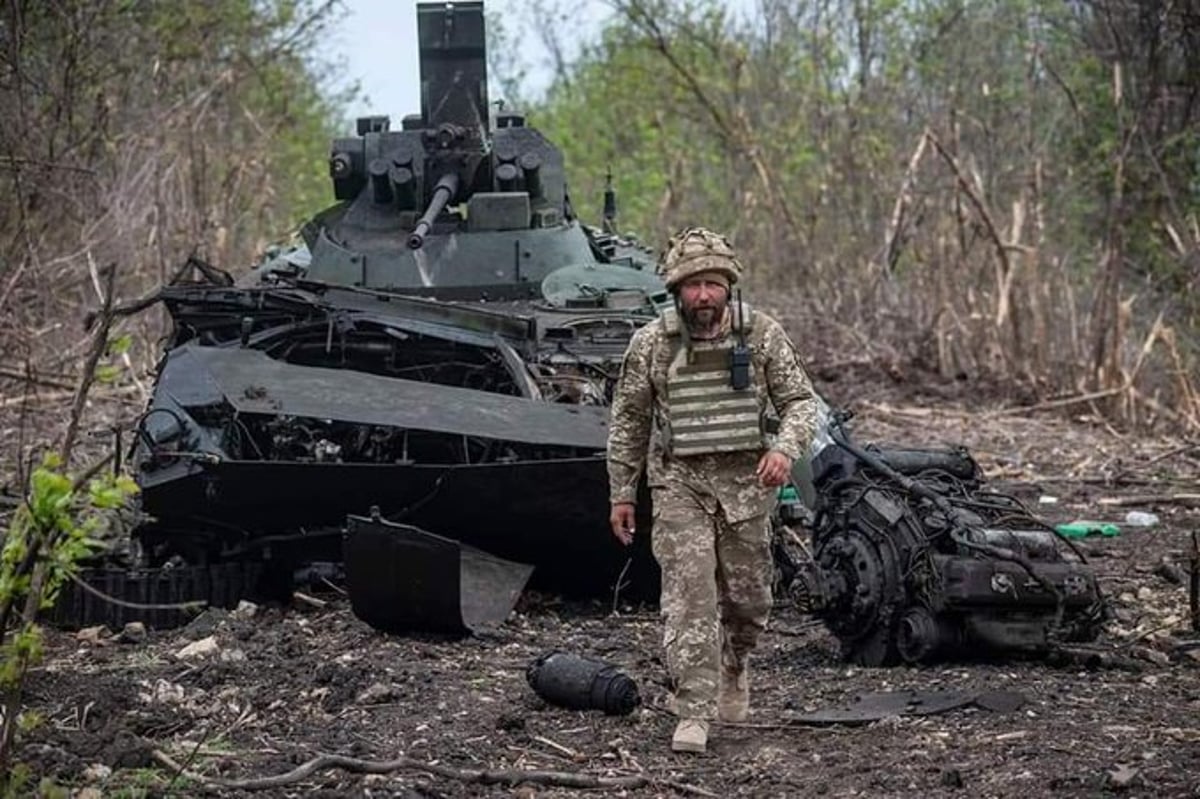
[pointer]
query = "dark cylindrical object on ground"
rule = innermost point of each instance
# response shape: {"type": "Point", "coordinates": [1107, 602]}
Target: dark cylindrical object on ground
{"type": "Point", "coordinates": [582, 683]}
{"type": "Point", "coordinates": [443, 192]}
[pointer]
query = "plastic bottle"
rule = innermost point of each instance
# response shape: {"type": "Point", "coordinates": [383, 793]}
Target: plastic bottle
{"type": "Point", "coordinates": [1140, 518]}
{"type": "Point", "coordinates": [1081, 528]}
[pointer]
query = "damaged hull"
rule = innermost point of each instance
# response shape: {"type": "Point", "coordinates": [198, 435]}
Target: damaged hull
{"type": "Point", "coordinates": [519, 478]}
{"type": "Point", "coordinates": [550, 514]}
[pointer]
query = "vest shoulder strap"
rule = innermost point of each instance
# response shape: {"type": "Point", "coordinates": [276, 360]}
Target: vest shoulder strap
{"type": "Point", "coordinates": [743, 314]}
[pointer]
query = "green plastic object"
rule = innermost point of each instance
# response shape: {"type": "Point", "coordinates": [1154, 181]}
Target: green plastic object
{"type": "Point", "coordinates": [1082, 528]}
{"type": "Point", "coordinates": [788, 494]}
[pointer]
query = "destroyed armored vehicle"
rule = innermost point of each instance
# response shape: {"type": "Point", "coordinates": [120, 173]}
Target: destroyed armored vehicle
{"type": "Point", "coordinates": [437, 356]}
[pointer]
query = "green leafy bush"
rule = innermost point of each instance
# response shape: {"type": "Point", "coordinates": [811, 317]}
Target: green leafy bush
{"type": "Point", "coordinates": [46, 540]}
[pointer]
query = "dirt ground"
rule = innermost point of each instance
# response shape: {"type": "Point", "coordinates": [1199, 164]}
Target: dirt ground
{"type": "Point", "coordinates": [284, 685]}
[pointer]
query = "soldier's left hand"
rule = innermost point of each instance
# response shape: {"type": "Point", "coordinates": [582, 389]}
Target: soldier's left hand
{"type": "Point", "coordinates": [773, 469]}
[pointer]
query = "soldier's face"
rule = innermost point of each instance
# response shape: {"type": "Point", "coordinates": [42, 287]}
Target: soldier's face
{"type": "Point", "coordinates": [703, 298]}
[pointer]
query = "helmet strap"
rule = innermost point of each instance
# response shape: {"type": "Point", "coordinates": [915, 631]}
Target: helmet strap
{"type": "Point", "coordinates": [685, 332]}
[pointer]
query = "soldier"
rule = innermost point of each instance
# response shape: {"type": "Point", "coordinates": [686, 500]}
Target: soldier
{"type": "Point", "coordinates": [697, 389]}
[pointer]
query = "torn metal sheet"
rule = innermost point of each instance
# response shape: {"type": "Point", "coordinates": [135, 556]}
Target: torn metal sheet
{"type": "Point", "coordinates": [253, 382]}
{"type": "Point", "coordinates": [401, 578]}
{"type": "Point", "coordinates": [865, 708]}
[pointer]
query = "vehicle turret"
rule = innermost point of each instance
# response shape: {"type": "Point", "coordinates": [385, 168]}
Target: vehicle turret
{"type": "Point", "coordinates": [454, 200]}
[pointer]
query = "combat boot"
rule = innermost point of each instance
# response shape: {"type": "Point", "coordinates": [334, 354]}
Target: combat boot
{"type": "Point", "coordinates": [733, 698]}
{"type": "Point", "coordinates": [691, 735]}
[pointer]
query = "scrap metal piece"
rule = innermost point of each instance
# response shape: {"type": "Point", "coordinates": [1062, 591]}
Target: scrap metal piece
{"type": "Point", "coordinates": [549, 512]}
{"type": "Point", "coordinates": [403, 579]}
{"type": "Point", "coordinates": [868, 707]}
{"type": "Point", "coordinates": [254, 383]}
{"type": "Point", "coordinates": [921, 563]}
{"type": "Point", "coordinates": [957, 461]}
{"type": "Point", "coordinates": [582, 683]}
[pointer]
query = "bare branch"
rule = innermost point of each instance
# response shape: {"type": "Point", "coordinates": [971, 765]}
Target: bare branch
{"type": "Point", "coordinates": [512, 777]}
{"type": "Point", "coordinates": [88, 375]}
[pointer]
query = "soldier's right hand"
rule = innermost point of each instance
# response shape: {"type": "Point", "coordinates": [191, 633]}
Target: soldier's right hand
{"type": "Point", "coordinates": [621, 520]}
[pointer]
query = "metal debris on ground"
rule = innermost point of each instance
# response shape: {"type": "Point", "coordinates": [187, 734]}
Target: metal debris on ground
{"type": "Point", "coordinates": [913, 559]}
{"type": "Point", "coordinates": [865, 708]}
{"type": "Point", "coordinates": [403, 579]}
{"type": "Point", "coordinates": [582, 683]}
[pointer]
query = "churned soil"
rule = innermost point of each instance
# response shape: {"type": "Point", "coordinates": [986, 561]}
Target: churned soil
{"type": "Point", "coordinates": [257, 693]}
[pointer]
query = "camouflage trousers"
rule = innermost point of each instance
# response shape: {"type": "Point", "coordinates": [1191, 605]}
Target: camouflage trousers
{"type": "Point", "coordinates": [716, 592]}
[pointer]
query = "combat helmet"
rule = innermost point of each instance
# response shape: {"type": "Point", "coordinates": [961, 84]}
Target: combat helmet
{"type": "Point", "coordinates": [694, 250]}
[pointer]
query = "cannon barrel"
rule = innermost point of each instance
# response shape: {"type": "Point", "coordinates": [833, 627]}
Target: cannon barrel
{"type": "Point", "coordinates": [446, 188]}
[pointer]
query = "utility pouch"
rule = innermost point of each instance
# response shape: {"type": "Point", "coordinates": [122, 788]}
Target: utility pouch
{"type": "Point", "coordinates": [739, 367]}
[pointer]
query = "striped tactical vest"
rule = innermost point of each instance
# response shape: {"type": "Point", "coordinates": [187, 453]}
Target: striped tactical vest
{"type": "Point", "coordinates": [707, 414]}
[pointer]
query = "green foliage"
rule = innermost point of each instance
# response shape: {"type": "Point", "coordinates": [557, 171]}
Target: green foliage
{"type": "Point", "coordinates": [56, 524]}
{"type": "Point", "coordinates": [23, 648]}
{"type": "Point", "coordinates": [625, 109]}
{"type": "Point", "coordinates": [945, 176]}
{"type": "Point", "coordinates": [48, 537]}
{"type": "Point", "coordinates": [109, 370]}
{"type": "Point", "coordinates": [30, 720]}
{"type": "Point", "coordinates": [119, 345]}
{"type": "Point", "coordinates": [679, 98]}
{"type": "Point", "coordinates": [107, 373]}
{"type": "Point", "coordinates": [17, 783]}
{"type": "Point", "coordinates": [49, 789]}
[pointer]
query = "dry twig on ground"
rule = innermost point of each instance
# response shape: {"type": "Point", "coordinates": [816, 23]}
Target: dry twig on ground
{"type": "Point", "coordinates": [563, 779]}
{"type": "Point", "coordinates": [1187, 499]}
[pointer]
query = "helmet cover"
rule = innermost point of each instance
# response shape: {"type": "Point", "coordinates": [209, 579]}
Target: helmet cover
{"type": "Point", "coordinates": [695, 250]}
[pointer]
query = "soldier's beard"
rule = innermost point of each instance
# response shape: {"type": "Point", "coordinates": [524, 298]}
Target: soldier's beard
{"type": "Point", "coordinates": [704, 319]}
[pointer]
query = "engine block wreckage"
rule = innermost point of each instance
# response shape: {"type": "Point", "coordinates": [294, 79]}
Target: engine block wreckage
{"type": "Point", "coordinates": [416, 400]}
{"type": "Point", "coordinates": [913, 559]}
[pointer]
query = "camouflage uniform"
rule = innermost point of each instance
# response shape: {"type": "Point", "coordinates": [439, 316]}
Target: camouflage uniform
{"type": "Point", "coordinates": [710, 533]}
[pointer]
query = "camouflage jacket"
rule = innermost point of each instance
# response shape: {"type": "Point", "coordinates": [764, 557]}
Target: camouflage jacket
{"type": "Point", "coordinates": [640, 413]}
